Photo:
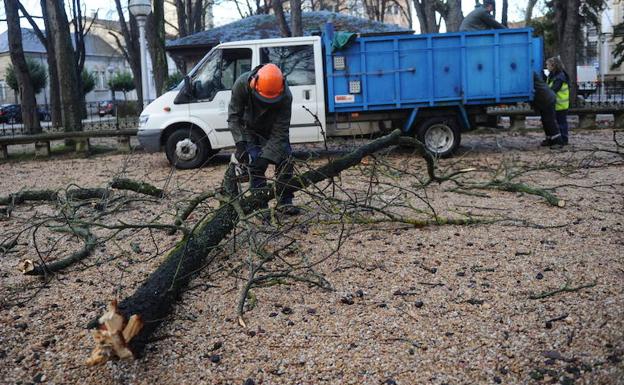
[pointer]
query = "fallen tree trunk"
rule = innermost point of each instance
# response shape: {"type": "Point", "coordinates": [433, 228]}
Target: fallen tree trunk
{"type": "Point", "coordinates": [137, 186]}
{"type": "Point", "coordinates": [155, 298]}
{"type": "Point", "coordinates": [28, 196]}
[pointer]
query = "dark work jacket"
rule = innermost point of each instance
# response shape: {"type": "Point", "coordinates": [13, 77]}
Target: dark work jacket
{"type": "Point", "coordinates": [557, 79]}
{"type": "Point", "coordinates": [480, 19]}
{"type": "Point", "coordinates": [544, 96]}
{"type": "Point", "coordinates": [254, 122]}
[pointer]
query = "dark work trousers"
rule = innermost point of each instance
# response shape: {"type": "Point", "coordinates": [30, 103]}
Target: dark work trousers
{"type": "Point", "coordinates": [562, 121]}
{"type": "Point", "coordinates": [283, 172]}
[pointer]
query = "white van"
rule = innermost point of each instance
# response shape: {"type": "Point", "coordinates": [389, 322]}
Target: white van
{"type": "Point", "coordinates": [191, 121]}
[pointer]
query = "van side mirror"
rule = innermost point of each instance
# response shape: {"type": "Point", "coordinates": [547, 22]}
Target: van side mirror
{"type": "Point", "coordinates": [185, 95]}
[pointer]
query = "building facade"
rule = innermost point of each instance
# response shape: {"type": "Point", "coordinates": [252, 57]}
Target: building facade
{"type": "Point", "coordinates": [100, 58]}
{"type": "Point", "coordinates": [609, 36]}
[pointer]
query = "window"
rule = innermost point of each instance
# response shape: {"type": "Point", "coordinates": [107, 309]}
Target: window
{"type": "Point", "coordinates": [235, 62]}
{"type": "Point", "coordinates": [3, 87]}
{"type": "Point", "coordinates": [100, 80]}
{"type": "Point", "coordinates": [296, 62]}
{"type": "Point", "coordinates": [219, 71]}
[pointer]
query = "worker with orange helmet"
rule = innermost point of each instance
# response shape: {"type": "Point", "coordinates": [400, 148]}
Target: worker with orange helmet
{"type": "Point", "coordinates": [259, 119]}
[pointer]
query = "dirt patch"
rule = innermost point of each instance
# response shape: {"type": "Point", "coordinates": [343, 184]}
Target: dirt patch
{"type": "Point", "coordinates": [439, 304]}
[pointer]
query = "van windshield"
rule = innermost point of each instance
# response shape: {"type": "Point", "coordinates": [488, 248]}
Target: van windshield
{"type": "Point", "coordinates": [219, 71]}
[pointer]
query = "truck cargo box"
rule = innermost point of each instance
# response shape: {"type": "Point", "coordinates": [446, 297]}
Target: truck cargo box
{"type": "Point", "coordinates": [405, 71]}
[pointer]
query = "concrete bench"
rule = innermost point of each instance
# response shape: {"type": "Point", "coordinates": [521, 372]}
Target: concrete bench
{"type": "Point", "coordinates": [81, 138]}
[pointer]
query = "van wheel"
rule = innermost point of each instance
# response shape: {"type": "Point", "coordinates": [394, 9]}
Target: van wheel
{"type": "Point", "coordinates": [440, 135]}
{"type": "Point", "coordinates": [187, 148]}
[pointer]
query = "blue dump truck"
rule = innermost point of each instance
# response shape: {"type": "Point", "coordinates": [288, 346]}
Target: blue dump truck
{"type": "Point", "coordinates": [433, 86]}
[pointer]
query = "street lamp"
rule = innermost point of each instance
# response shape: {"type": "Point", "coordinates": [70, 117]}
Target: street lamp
{"type": "Point", "coordinates": [604, 62]}
{"type": "Point", "coordinates": [111, 71]}
{"type": "Point", "coordinates": [140, 9]}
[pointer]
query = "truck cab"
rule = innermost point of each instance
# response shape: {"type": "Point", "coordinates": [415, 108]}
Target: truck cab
{"type": "Point", "coordinates": [190, 122]}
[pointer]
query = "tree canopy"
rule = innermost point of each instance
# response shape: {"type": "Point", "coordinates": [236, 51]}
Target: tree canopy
{"type": "Point", "coordinates": [38, 74]}
{"type": "Point", "coordinates": [123, 82]}
{"type": "Point", "coordinates": [88, 81]}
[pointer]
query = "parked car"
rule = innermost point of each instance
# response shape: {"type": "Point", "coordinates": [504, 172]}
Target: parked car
{"type": "Point", "coordinates": [106, 107]}
{"type": "Point", "coordinates": [12, 114]}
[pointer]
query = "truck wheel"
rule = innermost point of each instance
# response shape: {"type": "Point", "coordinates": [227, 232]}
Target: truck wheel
{"type": "Point", "coordinates": [440, 135]}
{"type": "Point", "coordinates": [187, 148]}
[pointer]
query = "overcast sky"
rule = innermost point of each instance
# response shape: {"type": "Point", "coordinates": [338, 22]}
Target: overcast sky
{"type": "Point", "coordinates": [225, 12]}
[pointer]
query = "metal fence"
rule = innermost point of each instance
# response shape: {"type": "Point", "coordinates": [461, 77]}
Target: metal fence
{"type": "Point", "coordinates": [122, 114]}
{"type": "Point", "coordinates": [598, 94]}
{"type": "Point", "coordinates": [97, 116]}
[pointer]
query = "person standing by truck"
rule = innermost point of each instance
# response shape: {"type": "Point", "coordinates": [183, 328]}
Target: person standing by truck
{"type": "Point", "coordinates": [559, 81]}
{"type": "Point", "coordinates": [544, 103]}
{"type": "Point", "coordinates": [481, 18]}
{"type": "Point", "coordinates": [259, 115]}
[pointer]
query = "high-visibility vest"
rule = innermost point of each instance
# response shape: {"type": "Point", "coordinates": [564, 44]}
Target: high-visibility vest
{"type": "Point", "coordinates": [563, 96]}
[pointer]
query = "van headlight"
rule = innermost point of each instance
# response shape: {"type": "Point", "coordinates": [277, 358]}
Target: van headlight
{"type": "Point", "coordinates": [143, 120]}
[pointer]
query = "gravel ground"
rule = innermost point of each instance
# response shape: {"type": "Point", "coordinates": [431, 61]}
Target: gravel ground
{"type": "Point", "coordinates": [411, 304]}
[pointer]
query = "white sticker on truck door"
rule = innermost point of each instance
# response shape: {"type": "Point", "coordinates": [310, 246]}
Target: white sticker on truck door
{"type": "Point", "coordinates": [344, 98]}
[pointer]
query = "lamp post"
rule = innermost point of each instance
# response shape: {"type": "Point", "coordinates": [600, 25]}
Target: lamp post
{"type": "Point", "coordinates": [140, 9]}
{"type": "Point", "coordinates": [111, 71]}
{"type": "Point", "coordinates": [603, 64]}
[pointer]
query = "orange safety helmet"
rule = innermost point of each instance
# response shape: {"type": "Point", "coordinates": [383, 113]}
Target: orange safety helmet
{"type": "Point", "coordinates": [267, 83]}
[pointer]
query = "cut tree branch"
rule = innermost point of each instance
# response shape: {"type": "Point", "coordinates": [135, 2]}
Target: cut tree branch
{"type": "Point", "coordinates": [155, 298]}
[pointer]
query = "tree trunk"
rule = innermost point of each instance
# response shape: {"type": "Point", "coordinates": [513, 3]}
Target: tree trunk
{"type": "Point", "coordinates": [198, 15]}
{"type": "Point", "coordinates": [132, 50]}
{"type": "Point", "coordinates": [54, 106]}
{"type": "Point", "coordinates": [155, 30]}
{"type": "Point", "coordinates": [454, 15]}
{"type": "Point", "coordinates": [56, 113]}
{"type": "Point", "coordinates": [181, 13]}
{"type": "Point", "coordinates": [53, 78]}
{"type": "Point", "coordinates": [278, 9]}
{"type": "Point", "coordinates": [30, 117]}
{"type": "Point", "coordinates": [295, 17]}
{"type": "Point", "coordinates": [426, 16]}
{"type": "Point", "coordinates": [71, 107]}
{"type": "Point", "coordinates": [505, 11]}
{"type": "Point", "coordinates": [528, 14]}
{"type": "Point", "coordinates": [567, 23]}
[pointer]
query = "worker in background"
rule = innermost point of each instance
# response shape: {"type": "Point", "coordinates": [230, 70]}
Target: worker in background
{"type": "Point", "coordinates": [559, 81]}
{"type": "Point", "coordinates": [259, 119]}
{"type": "Point", "coordinates": [544, 103]}
{"type": "Point", "coordinates": [481, 18]}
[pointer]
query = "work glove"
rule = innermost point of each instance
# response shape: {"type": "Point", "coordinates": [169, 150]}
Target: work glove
{"type": "Point", "coordinates": [242, 156]}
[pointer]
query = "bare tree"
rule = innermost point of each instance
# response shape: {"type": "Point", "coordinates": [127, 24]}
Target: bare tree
{"type": "Point", "coordinates": [130, 48]}
{"type": "Point", "coordinates": [248, 8]}
{"type": "Point", "coordinates": [528, 13]}
{"type": "Point", "coordinates": [425, 10]}
{"type": "Point", "coordinates": [295, 18]}
{"type": "Point", "coordinates": [451, 12]}
{"type": "Point", "coordinates": [504, 12]}
{"type": "Point", "coordinates": [278, 10]}
{"type": "Point", "coordinates": [26, 89]}
{"type": "Point", "coordinates": [155, 31]}
{"type": "Point", "coordinates": [567, 23]}
{"type": "Point", "coordinates": [55, 96]}
{"type": "Point", "coordinates": [71, 104]}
